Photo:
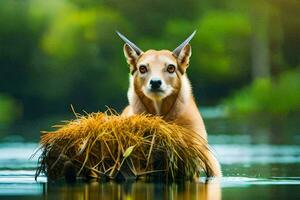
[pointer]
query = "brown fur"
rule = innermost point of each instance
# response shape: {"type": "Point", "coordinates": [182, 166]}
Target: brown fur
{"type": "Point", "coordinates": [179, 106]}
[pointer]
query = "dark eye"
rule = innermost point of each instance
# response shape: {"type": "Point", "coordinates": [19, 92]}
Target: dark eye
{"type": "Point", "coordinates": [171, 68]}
{"type": "Point", "coordinates": [143, 69]}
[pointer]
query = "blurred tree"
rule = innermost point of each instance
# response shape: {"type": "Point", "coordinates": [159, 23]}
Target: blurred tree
{"type": "Point", "coordinates": [220, 51]}
{"type": "Point", "coordinates": [81, 59]}
{"type": "Point", "coordinates": [260, 39]}
{"type": "Point", "coordinates": [149, 18]}
{"type": "Point", "coordinates": [18, 43]}
{"type": "Point", "coordinates": [290, 23]}
{"type": "Point", "coordinates": [60, 52]}
{"type": "Point", "coordinates": [265, 96]}
{"type": "Point", "coordinates": [9, 110]}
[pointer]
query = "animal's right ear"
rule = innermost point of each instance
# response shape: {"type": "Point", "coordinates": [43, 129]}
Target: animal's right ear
{"type": "Point", "coordinates": [131, 52]}
{"type": "Point", "coordinates": [131, 57]}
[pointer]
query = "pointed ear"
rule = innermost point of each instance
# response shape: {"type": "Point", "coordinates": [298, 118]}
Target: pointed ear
{"type": "Point", "coordinates": [183, 58]}
{"type": "Point", "coordinates": [131, 57]}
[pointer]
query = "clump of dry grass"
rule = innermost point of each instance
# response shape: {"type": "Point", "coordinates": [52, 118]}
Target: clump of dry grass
{"type": "Point", "coordinates": [106, 145]}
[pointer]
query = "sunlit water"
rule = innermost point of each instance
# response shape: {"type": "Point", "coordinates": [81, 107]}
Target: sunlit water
{"type": "Point", "coordinates": [261, 170]}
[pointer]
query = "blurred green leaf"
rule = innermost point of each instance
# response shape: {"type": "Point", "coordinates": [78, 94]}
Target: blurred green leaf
{"type": "Point", "coordinates": [9, 110]}
{"type": "Point", "coordinates": [128, 151]}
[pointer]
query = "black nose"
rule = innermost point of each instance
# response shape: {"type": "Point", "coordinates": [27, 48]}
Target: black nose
{"type": "Point", "coordinates": [155, 84]}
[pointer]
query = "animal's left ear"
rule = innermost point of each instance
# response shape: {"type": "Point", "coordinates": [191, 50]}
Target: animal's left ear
{"type": "Point", "coordinates": [183, 53]}
{"type": "Point", "coordinates": [183, 59]}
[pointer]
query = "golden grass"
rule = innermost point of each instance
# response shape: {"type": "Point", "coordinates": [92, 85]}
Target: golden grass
{"type": "Point", "coordinates": [106, 145]}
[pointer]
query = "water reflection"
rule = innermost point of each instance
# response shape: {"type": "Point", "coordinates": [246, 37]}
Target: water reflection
{"type": "Point", "coordinates": [136, 190]}
{"type": "Point", "coordinates": [259, 160]}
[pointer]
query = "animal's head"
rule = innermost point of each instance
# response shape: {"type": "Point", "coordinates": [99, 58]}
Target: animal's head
{"type": "Point", "coordinates": [157, 73]}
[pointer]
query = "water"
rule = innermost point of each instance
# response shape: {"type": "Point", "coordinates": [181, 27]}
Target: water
{"type": "Point", "coordinates": [255, 165]}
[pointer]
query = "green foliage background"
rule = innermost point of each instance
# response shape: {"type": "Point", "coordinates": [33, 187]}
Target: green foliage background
{"type": "Point", "coordinates": [61, 52]}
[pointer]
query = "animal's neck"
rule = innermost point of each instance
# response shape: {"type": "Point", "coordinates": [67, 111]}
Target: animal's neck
{"type": "Point", "coordinates": [154, 106]}
{"type": "Point", "coordinates": [157, 105]}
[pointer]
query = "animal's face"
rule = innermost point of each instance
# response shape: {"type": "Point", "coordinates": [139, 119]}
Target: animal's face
{"type": "Point", "coordinates": [157, 73]}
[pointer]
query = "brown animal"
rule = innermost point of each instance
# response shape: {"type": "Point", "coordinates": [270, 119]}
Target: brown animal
{"type": "Point", "coordinates": [159, 86]}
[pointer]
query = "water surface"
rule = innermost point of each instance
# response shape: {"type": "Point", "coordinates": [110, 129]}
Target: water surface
{"type": "Point", "coordinates": [267, 171]}
{"type": "Point", "coordinates": [254, 164]}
